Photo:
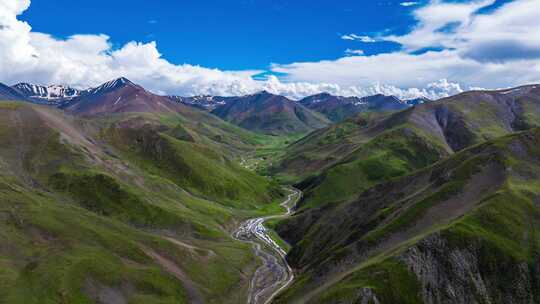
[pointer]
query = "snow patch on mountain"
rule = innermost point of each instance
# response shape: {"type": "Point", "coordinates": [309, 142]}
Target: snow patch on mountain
{"type": "Point", "coordinates": [50, 93]}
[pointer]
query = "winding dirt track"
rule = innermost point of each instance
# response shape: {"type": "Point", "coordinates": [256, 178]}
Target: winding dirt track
{"type": "Point", "coordinates": [274, 274]}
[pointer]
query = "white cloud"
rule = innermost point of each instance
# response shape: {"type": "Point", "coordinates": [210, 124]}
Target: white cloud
{"type": "Point", "coordinates": [88, 60]}
{"type": "Point", "coordinates": [406, 4]}
{"type": "Point", "coordinates": [473, 58]}
{"type": "Point", "coordinates": [508, 33]}
{"type": "Point", "coordinates": [298, 90]}
{"type": "Point", "coordinates": [352, 52]}
{"type": "Point", "coordinates": [434, 22]}
{"type": "Point", "coordinates": [500, 48]}
{"type": "Point", "coordinates": [365, 39]}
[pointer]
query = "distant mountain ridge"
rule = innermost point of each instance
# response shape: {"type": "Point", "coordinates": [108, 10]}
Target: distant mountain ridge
{"type": "Point", "coordinates": [8, 93]}
{"type": "Point", "coordinates": [51, 94]}
{"type": "Point", "coordinates": [119, 96]}
{"type": "Point", "coordinates": [334, 108]}
{"type": "Point", "coordinates": [338, 108]}
{"type": "Point", "coordinates": [203, 102]}
{"type": "Point", "coordinates": [453, 123]}
{"type": "Point", "coordinates": [268, 113]}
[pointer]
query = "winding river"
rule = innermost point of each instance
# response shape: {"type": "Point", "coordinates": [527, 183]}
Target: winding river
{"type": "Point", "coordinates": [274, 274]}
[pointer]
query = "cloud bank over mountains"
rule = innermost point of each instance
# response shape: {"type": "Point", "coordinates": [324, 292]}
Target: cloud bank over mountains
{"type": "Point", "coordinates": [454, 46]}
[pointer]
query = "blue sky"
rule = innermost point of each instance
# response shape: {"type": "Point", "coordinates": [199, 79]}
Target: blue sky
{"type": "Point", "coordinates": [430, 48]}
{"type": "Point", "coordinates": [225, 34]}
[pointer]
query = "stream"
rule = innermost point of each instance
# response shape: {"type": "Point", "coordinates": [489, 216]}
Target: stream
{"type": "Point", "coordinates": [274, 275]}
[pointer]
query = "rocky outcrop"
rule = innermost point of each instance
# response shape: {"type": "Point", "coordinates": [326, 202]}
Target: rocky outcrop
{"type": "Point", "coordinates": [367, 296]}
{"type": "Point", "coordinates": [467, 275]}
{"type": "Point", "coordinates": [454, 128]}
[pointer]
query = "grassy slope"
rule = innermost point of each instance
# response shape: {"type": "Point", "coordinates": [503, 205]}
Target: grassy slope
{"type": "Point", "coordinates": [337, 163]}
{"type": "Point", "coordinates": [391, 154]}
{"type": "Point", "coordinates": [270, 114]}
{"type": "Point", "coordinates": [324, 147]}
{"type": "Point", "coordinates": [79, 219]}
{"type": "Point", "coordinates": [190, 165]}
{"type": "Point", "coordinates": [505, 234]}
{"type": "Point", "coordinates": [454, 123]}
{"type": "Point", "coordinates": [502, 227]}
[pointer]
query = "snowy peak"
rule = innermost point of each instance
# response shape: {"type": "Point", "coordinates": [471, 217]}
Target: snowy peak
{"type": "Point", "coordinates": [204, 102]}
{"type": "Point", "coordinates": [112, 85]}
{"type": "Point", "coordinates": [338, 108]}
{"type": "Point", "coordinates": [49, 94]}
{"type": "Point", "coordinates": [119, 96]}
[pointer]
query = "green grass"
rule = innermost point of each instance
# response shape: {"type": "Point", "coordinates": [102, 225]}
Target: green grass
{"type": "Point", "coordinates": [54, 248]}
{"type": "Point", "coordinates": [411, 214]}
{"type": "Point", "coordinates": [502, 234]}
{"type": "Point", "coordinates": [499, 236]}
{"type": "Point", "coordinates": [390, 280]}
{"type": "Point", "coordinates": [194, 167]}
{"type": "Point", "coordinates": [75, 213]}
{"type": "Point", "coordinates": [103, 195]}
{"type": "Point", "coordinates": [271, 226]}
{"type": "Point", "coordinates": [387, 156]}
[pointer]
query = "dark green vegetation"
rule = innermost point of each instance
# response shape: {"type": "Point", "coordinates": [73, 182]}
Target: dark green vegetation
{"type": "Point", "coordinates": [434, 204]}
{"type": "Point", "coordinates": [124, 208]}
{"type": "Point", "coordinates": [270, 114]}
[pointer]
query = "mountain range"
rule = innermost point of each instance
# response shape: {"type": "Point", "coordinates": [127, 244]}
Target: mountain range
{"type": "Point", "coordinates": [52, 94]}
{"type": "Point", "coordinates": [115, 194]}
{"type": "Point", "coordinates": [262, 112]}
{"type": "Point", "coordinates": [338, 108]}
{"type": "Point", "coordinates": [414, 206]}
{"type": "Point", "coordinates": [269, 113]}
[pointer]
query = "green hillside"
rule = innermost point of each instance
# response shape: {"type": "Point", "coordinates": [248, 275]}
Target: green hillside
{"type": "Point", "coordinates": [437, 203]}
{"type": "Point", "coordinates": [105, 208]}
{"type": "Point", "coordinates": [267, 113]}
{"type": "Point", "coordinates": [343, 160]}
{"type": "Point", "coordinates": [398, 241]}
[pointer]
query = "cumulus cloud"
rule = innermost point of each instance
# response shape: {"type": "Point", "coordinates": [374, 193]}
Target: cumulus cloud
{"type": "Point", "coordinates": [508, 33]}
{"type": "Point", "coordinates": [472, 56]}
{"type": "Point", "coordinates": [297, 90]}
{"type": "Point", "coordinates": [496, 48]}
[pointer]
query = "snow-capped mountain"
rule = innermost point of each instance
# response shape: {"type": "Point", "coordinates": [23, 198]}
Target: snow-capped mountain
{"type": "Point", "coordinates": [205, 102]}
{"type": "Point", "coordinates": [46, 94]}
{"type": "Point", "coordinates": [338, 108]}
{"type": "Point", "coordinates": [110, 86]}
{"type": "Point", "coordinates": [119, 96]}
